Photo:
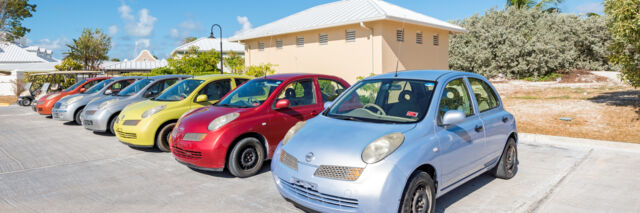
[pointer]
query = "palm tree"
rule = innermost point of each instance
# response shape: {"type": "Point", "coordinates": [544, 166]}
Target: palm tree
{"type": "Point", "coordinates": [544, 5]}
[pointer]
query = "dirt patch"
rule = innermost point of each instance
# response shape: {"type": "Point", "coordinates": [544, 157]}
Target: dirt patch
{"type": "Point", "coordinates": [582, 76]}
{"type": "Point", "coordinates": [8, 99]}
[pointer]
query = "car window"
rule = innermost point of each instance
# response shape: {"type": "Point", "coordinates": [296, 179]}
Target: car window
{"type": "Point", "coordinates": [456, 97]}
{"type": "Point", "coordinates": [216, 89]}
{"type": "Point", "coordinates": [116, 87]}
{"type": "Point", "coordinates": [485, 96]}
{"type": "Point", "coordinates": [252, 94]}
{"type": "Point", "coordinates": [330, 89]}
{"type": "Point", "coordinates": [240, 81]}
{"type": "Point", "coordinates": [90, 84]}
{"type": "Point", "coordinates": [179, 91]}
{"type": "Point", "coordinates": [74, 86]}
{"type": "Point", "coordinates": [299, 93]}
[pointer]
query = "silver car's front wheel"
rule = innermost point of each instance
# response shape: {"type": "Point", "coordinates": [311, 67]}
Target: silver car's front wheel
{"type": "Point", "coordinates": [419, 194]}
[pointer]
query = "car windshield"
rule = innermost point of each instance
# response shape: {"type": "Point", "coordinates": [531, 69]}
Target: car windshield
{"type": "Point", "coordinates": [98, 87]}
{"type": "Point", "coordinates": [135, 87]}
{"type": "Point", "coordinates": [250, 94]}
{"type": "Point", "coordinates": [76, 85]}
{"type": "Point", "coordinates": [385, 101]}
{"type": "Point", "coordinates": [179, 91]}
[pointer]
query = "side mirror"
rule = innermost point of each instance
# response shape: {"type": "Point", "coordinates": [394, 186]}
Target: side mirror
{"type": "Point", "coordinates": [282, 104]}
{"type": "Point", "coordinates": [147, 94]}
{"type": "Point", "coordinates": [453, 117]}
{"type": "Point", "coordinates": [202, 98]}
{"type": "Point", "coordinates": [108, 92]}
{"type": "Point", "coordinates": [328, 104]}
{"type": "Point", "coordinates": [83, 89]}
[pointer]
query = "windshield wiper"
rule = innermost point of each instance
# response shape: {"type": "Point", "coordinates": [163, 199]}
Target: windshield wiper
{"type": "Point", "coordinates": [347, 118]}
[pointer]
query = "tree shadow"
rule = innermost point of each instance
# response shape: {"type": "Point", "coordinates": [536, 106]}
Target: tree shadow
{"type": "Point", "coordinates": [462, 191]}
{"type": "Point", "coordinates": [629, 98]}
{"type": "Point", "coordinates": [266, 167]}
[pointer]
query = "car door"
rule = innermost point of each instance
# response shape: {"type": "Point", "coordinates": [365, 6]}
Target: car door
{"type": "Point", "coordinates": [495, 119]}
{"type": "Point", "coordinates": [461, 145]}
{"type": "Point", "coordinates": [303, 105]}
{"type": "Point", "coordinates": [214, 91]}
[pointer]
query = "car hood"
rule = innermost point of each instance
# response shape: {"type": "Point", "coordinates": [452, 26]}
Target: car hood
{"type": "Point", "coordinates": [198, 120]}
{"type": "Point", "coordinates": [94, 104]}
{"type": "Point", "coordinates": [44, 98]}
{"type": "Point", "coordinates": [338, 142]}
{"type": "Point", "coordinates": [134, 111]}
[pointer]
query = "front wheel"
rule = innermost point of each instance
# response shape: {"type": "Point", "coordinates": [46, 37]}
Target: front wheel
{"type": "Point", "coordinates": [76, 116]}
{"type": "Point", "coordinates": [419, 194]}
{"type": "Point", "coordinates": [162, 140]}
{"type": "Point", "coordinates": [246, 158]}
{"type": "Point", "coordinates": [508, 164]}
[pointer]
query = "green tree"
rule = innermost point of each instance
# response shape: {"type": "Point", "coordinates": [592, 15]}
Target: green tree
{"type": "Point", "coordinates": [188, 40]}
{"type": "Point", "coordinates": [114, 59]}
{"type": "Point", "coordinates": [260, 70]}
{"type": "Point", "coordinates": [235, 62]}
{"type": "Point", "coordinates": [69, 64]}
{"type": "Point", "coordinates": [193, 62]}
{"type": "Point", "coordinates": [12, 13]}
{"type": "Point", "coordinates": [545, 5]}
{"type": "Point", "coordinates": [623, 21]}
{"type": "Point", "coordinates": [90, 48]}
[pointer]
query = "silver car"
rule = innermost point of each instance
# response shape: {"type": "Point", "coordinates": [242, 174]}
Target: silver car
{"type": "Point", "coordinates": [395, 143]}
{"type": "Point", "coordinates": [70, 107]}
{"type": "Point", "coordinates": [99, 115]}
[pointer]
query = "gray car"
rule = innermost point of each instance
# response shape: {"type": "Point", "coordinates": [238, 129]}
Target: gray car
{"type": "Point", "coordinates": [70, 107]}
{"type": "Point", "coordinates": [99, 115]}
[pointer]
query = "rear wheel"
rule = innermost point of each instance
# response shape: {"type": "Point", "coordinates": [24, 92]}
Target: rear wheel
{"type": "Point", "coordinates": [419, 194]}
{"type": "Point", "coordinates": [246, 158]}
{"type": "Point", "coordinates": [76, 116]}
{"type": "Point", "coordinates": [508, 164]}
{"type": "Point", "coordinates": [162, 139]}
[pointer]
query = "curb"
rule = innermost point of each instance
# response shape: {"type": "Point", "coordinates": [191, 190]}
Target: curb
{"type": "Point", "coordinates": [581, 142]}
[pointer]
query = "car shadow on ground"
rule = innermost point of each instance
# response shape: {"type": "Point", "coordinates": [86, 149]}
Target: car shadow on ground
{"type": "Point", "coordinates": [620, 98]}
{"type": "Point", "coordinates": [146, 149]}
{"type": "Point", "coordinates": [266, 167]}
{"type": "Point", "coordinates": [71, 123]}
{"type": "Point", "coordinates": [108, 134]}
{"type": "Point", "coordinates": [462, 191]}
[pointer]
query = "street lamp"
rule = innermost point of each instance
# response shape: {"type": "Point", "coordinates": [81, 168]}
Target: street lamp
{"type": "Point", "coordinates": [211, 36]}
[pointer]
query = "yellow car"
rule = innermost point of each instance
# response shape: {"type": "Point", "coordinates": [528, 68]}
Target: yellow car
{"type": "Point", "coordinates": [149, 123]}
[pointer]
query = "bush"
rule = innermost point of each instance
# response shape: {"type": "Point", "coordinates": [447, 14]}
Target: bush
{"type": "Point", "coordinates": [260, 70]}
{"type": "Point", "coordinates": [623, 22]}
{"type": "Point", "coordinates": [521, 43]}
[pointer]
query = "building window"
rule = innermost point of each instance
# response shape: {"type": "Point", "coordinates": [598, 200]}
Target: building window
{"type": "Point", "coordinates": [324, 39]}
{"type": "Point", "coordinates": [261, 46]}
{"type": "Point", "coordinates": [419, 38]}
{"type": "Point", "coordinates": [279, 43]}
{"type": "Point", "coordinates": [350, 36]}
{"type": "Point", "coordinates": [300, 41]}
{"type": "Point", "coordinates": [436, 40]}
{"type": "Point", "coordinates": [400, 35]}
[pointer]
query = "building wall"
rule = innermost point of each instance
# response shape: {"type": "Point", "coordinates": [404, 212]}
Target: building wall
{"type": "Point", "coordinates": [350, 60]}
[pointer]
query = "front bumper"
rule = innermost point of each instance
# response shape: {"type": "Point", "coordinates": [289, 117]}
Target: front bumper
{"type": "Point", "coordinates": [98, 121]}
{"type": "Point", "coordinates": [65, 113]}
{"type": "Point", "coordinates": [378, 189]}
{"type": "Point", "coordinates": [141, 135]}
{"type": "Point", "coordinates": [208, 154]}
{"type": "Point", "coordinates": [45, 108]}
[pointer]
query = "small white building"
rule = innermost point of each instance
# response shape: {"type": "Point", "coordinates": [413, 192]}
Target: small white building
{"type": "Point", "coordinates": [15, 60]}
{"type": "Point", "coordinates": [206, 44]}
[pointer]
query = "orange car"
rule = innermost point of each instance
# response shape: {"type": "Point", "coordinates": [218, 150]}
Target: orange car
{"type": "Point", "coordinates": [45, 104]}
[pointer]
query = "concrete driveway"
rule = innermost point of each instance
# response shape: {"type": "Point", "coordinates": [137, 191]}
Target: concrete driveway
{"type": "Point", "coordinates": [51, 166]}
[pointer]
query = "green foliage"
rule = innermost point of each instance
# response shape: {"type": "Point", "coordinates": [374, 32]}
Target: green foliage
{"type": "Point", "coordinates": [623, 21]}
{"type": "Point", "coordinates": [90, 48]}
{"type": "Point", "coordinates": [192, 62]}
{"type": "Point", "coordinates": [549, 77]}
{"type": "Point", "coordinates": [146, 74]}
{"type": "Point", "coordinates": [235, 62]}
{"type": "Point", "coordinates": [64, 81]}
{"type": "Point", "coordinates": [543, 5]}
{"type": "Point", "coordinates": [521, 43]}
{"type": "Point", "coordinates": [69, 64]}
{"type": "Point", "coordinates": [260, 70]}
{"type": "Point", "coordinates": [12, 14]}
{"type": "Point", "coordinates": [115, 59]}
{"type": "Point", "coordinates": [188, 40]}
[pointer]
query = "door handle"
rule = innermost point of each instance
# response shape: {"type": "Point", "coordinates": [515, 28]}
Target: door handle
{"type": "Point", "coordinates": [505, 119]}
{"type": "Point", "coordinates": [479, 128]}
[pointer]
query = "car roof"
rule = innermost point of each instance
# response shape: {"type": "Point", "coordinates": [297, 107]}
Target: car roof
{"type": "Point", "coordinates": [98, 78]}
{"type": "Point", "coordinates": [160, 77]}
{"type": "Point", "coordinates": [219, 76]}
{"type": "Point", "coordinates": [126, 77]}
{"type": "Point", "coordinates": [431, 75]}
{"type": "Point", "coordinates": [288, 76]}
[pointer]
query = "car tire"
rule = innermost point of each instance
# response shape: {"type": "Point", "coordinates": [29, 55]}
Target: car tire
{"type": "Point", "coordinates": [76, 116]}
{"type": "Point", "coordinates": [112, 123]}
{"type": "Point", "coordinates": [508, 165]}
{"type": "Point", "coordinates": [419, 194]}
{"type": "Point", "coordinates": [162, 139]}
{"type": "Point", "coordinates": [246, 158]}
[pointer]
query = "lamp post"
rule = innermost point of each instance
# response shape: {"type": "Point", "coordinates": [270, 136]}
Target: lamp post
{"type": "Point", "coordinates": [211, 36]}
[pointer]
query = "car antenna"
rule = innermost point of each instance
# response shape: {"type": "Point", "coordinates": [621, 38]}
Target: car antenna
{"type": "Point", "coordinates": [399, 48]}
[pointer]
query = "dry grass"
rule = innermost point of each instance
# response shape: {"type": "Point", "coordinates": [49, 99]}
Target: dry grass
{"type": "Point", "coordinates": [602, 110]}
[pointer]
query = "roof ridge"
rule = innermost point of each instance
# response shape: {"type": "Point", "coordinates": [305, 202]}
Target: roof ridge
{"type": "Point", "coordinates": [377, 7]}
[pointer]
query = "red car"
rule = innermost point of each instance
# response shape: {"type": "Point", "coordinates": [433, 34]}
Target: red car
{"type": "Point", "coordinates": [45, 104]}
{"type": "Point", "coordinates": [244, 128]}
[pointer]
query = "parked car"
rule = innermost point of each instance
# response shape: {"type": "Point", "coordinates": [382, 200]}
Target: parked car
{"type": "Point", "coordinates": [100, 115]}
{"type": "Point", "coordinates": [242, 130]}
{"type": "Point", "coordinates": [149, 123]}
{"type": "Point", "coordinates": [70, 107]}
{"type": "Point", "coordinates": [396, 143]}
{"type": "Point", "coordinates": [45, 104]}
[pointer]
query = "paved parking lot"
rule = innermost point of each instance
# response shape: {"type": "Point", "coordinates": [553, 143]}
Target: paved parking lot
{"type": "Point", "coordinates": [50, 166]}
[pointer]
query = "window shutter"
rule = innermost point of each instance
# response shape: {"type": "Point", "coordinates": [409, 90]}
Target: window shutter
{"type": "Point", "coordinates": [261, 46]}
{"type": "Point", "coordinates": [436, 40]}
{"type": "Point", "coordinates": [279, 43]}
{"type": "Point", "coordinates": [350, 36]}
{"type": "Point", "coordinates": [300, 41]}
{"type": "Point", "coordinates": [418, 38]}
{"type": "Point", "coordinates": [324, 39]}
{"type": "Point", "coordinates": [400, 35]}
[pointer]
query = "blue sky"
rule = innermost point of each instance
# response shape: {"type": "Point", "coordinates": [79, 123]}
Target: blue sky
{"type": "Point", "coordinates": [159, 25]}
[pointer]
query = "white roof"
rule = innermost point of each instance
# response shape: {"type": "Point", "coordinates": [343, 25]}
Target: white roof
{"type": "Point", "coordinates": [135, 65]}
{"type": "Point", "coordinates": [206, 44]}
{"type": "Point", "coordinates": [31, 67]}
{"type": "Point", "coordinates": [342, 13]}
{"type": "Point", "coordinates": [11, 53]}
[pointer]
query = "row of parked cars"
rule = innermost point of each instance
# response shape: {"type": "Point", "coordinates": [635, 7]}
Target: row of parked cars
{"type": "Point", "coordinates": [392, 142]}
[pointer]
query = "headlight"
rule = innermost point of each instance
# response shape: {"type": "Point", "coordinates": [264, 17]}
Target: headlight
{"type": "Point", "coordinates": [53, 96]}
{"type": "Point", "coordinates": [153, 110]}
{"type": "Point", "coordinates": [292, 132]}
{"type": "Point", "coordinates": [382, 147]}
{"type": "Point", "coordinates": [74, 99]}
{"type": "Point", "coordinates": [104, 104]}
{"type": "Point", "coordinates": [222, 120]}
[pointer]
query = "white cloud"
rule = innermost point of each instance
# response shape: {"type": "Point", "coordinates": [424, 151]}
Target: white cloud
{"type": "Point", "coordinates": [142, 27]}
{"type": "Point", "coordinates": [189, 25]}
{"type": "Point", "coordinates": [174, 33]}
{"type": "Point", "coordinates": [125, 12]}
{"type": "Point", "coordinates": [113, 29]}
{"type": "Point", "coordinates": [592, 7]}
{"type": "Point", "coordinates": [246, 25]}
{"type": "Point", "coordinates": [49, 44]}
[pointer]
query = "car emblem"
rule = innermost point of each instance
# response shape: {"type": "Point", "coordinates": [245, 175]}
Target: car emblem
{"type": "Point", "coordinates": [309, 157]}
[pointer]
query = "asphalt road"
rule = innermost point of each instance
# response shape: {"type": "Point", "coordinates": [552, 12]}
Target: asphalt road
{"type": "Point", "coordinates": [51, 166]}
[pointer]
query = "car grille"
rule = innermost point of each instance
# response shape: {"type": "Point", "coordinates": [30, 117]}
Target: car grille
{"type": "Point", "coordinates": [57, 105]}
{"type": "Point", "coordinates": [339, 172]}
{"type": "Point", "coordinates": [90, 112]}
{"type": "Point", "coordinates": [289, 160]}
{"type": "Point", "coordinates": [183, 153]}
{"type": "Point", "coordinates": [126, 134]}
{"type": "Point", "coordinates": [315, 196]}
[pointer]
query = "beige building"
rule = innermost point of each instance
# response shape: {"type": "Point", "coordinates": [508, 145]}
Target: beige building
{"type": "Point", "coordinates": [351, 38]}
